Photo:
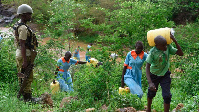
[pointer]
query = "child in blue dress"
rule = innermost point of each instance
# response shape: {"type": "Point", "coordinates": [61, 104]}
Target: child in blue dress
{"type": "Point", "coordinates": [132, 71]}
{"type": "Point", "coordinates": [63, 75]}
{"type": "Point", "coordinates": [76, 54]}
{"type": "Point", "coordinates": [87, 56]}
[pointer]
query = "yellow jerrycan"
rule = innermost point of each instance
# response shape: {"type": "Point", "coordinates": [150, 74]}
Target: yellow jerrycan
{"type": "Point", "coordinates": [165, 32]}
{"type": "Point", "coordinates": [54, 86]}
{"type": "Point", "coordinates": [93, 61]}
{"type": "Point", "coordinates": [124, 90]}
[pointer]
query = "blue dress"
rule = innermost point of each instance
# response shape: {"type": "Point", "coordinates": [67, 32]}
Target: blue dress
{"type": "Point", "coordinates": [87, 56]}
{"type": "Point", "coordinates": [63, 76]}
{"type": "Point", "coordinates": [76, 54]}
{"type": "Point", "coordinates": [133, 75]}
{"type": "Point", "coordinates": [0, 38]}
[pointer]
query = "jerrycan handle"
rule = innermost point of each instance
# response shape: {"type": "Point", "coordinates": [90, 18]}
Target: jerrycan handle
{"type": "Point", "coordinates": [172, 31]}
{"type": "Point", "coordinates": [54, 82]}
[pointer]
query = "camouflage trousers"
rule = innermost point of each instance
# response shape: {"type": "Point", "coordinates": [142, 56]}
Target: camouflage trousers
{"type": "Point", "coordinates": [19, 61]}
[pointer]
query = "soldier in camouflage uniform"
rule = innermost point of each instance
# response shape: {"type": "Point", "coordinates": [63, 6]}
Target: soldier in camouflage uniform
{"type": "Point", "coordinates": [26, 43]}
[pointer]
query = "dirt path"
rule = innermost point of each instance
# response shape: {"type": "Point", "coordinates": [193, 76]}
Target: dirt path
{"type": "Point", "coordinates": [74, 44]}
{"type": "Point", "coordinates": [5, 32]}
{"type": "Point", "coordinates": [4, 29]}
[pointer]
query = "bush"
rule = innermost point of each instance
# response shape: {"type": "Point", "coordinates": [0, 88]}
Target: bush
{"type": "Point", "coordinates": [188, 63]}
{"type": "Point", "coordinates": [8, 66]}
{"type": "Point", "coordinates": [90, 82]}
{"type": "Point", "coordinates": [98, 82]}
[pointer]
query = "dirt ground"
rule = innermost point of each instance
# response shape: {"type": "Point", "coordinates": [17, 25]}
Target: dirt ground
{"type": "Point", "coordinates": [74, 44]}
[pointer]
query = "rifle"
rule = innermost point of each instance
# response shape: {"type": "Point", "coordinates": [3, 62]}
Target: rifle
{"type": "Point", "coordinates": [26, 73]}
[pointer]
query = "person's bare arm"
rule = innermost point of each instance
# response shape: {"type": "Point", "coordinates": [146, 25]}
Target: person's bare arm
{"type": "Point", "coordinates": [56, 72]}
{"type": "Point", "coordinates": [123, 73]}
{"type": "Point", "coordinates": [82, 62]}
{"type": "Point", "coordinates": [151, 84]}
{"type": "Point", "coordinates": [179, 51]}
{"type": "Point", "coordinates": [23, 52]}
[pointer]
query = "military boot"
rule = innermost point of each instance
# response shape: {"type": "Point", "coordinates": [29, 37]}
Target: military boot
{"type": "Point", "coordinates": [28, 98]}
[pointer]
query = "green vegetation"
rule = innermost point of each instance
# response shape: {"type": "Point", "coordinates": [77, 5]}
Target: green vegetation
{"type": "Point", "coordinates": [113, 26]}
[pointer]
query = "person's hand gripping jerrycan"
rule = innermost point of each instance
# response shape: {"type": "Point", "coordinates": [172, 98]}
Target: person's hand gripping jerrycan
{"type": "Point", "coordinates": [165, 32]}
{"type": "Point", "coordinates": [55, 87]}
{"type": "Point", "coordinates": [124, 90]}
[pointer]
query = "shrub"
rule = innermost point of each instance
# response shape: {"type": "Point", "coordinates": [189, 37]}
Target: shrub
{"type": "Point", "coordinates": [8, 66]}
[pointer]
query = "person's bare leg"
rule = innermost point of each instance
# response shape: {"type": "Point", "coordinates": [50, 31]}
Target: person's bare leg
{"type": "Point", "coordinates": [166, 107]}
{"type": "Point", "coordinates": [149, 102]}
